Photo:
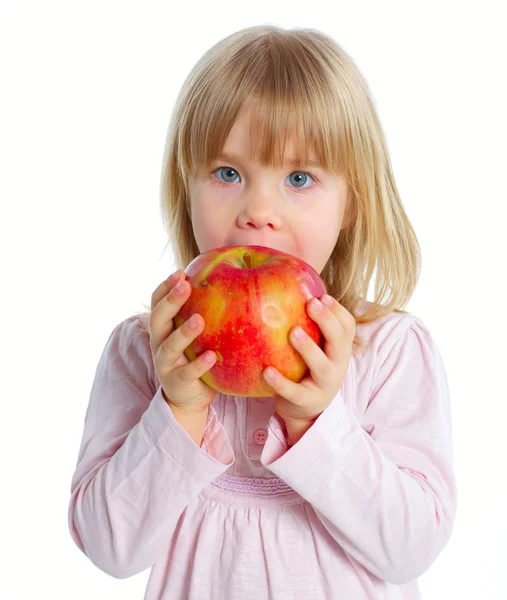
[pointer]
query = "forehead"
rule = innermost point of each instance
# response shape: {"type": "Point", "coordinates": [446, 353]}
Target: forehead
{"type": "Point", "coordinates": [247, 139]}
{"type": "Point", "coordinates": [290, 162]}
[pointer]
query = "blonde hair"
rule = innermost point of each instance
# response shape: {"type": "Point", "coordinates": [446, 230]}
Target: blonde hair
{"type": "Point", "coordinates": [305, 87]}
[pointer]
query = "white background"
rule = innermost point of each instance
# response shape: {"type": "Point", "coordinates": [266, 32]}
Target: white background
{"type": "Point", "coordinates": [87, 89]}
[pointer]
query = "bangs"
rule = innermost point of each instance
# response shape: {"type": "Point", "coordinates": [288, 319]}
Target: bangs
{"type": "Point", "coordinates": [290, 94]}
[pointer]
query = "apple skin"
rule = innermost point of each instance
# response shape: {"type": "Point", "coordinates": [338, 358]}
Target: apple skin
{"type": "Point", "coordinates": [250, 297]}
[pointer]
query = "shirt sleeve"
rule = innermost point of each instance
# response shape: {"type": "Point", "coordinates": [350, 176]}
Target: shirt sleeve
{"type": "Point", "coordinates": [385, 488]}
{"type": "Point", "coordinates": [137, 467]}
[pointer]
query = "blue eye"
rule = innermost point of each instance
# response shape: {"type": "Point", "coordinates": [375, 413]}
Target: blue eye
{"type": "Point", "coordinates": [230, 173]}
{"type": "Point", "coordinates": [297, 178]}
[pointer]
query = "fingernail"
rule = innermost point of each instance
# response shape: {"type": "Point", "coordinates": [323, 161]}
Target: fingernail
{"type": "Point", "coordinates": [194, 321]}
{"type": "Point", "coordinates": [173, 276]}
{"type": "Point", "coordinates": [299, 334]}
{"type": "Point", "coordinates": [179, 288]}
{"type": "Point", "coordinates": [270, 373]}
{"type": "Point", "coordinates": [328, 301]}
{"type": "Point", "coordinates": [209, 357]}
{"type": "Point", "coordinates": [316, 304]}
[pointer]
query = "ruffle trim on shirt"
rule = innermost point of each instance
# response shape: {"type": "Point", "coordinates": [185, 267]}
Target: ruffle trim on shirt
{"type": "Point", "coordinates": [258, 486]}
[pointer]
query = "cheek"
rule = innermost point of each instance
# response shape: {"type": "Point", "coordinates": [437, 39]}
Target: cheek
{"type": "Point", "coordinates": [204, 232]}
{"type": "Point", "coordinates": [317, 239]}
{"type": "Point", "coordinates": [208, 225]}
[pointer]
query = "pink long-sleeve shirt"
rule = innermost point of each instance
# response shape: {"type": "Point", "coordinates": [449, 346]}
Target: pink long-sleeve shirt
{"type": "Point", "coordinates": [357, 509]}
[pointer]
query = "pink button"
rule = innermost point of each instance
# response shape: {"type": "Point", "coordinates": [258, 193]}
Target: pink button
{"type": "Point", "coordinates": [261, 399]}
{"type": "Point", "coordinates": [260, 436]}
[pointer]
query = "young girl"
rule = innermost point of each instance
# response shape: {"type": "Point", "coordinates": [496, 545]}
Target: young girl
{"type": "Point", "coordinates": [337, 487]}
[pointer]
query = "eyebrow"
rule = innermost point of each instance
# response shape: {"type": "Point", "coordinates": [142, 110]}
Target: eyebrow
{"type": "Point", "coordinates": [291, 163]}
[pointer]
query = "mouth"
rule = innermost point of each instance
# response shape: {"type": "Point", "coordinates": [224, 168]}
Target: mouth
{"type": "Point", "coordinates": [258, 241]}
{"type": "Point", "coordinates": [262, 244]}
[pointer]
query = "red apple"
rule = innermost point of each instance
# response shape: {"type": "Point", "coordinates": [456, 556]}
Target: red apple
{"type": "Point", "coordinates": [250, 297]}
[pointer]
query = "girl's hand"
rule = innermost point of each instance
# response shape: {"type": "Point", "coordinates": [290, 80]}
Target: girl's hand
{"type": "Point", "coordinates": [299, 404]}
{"type": "Point", "coordinates": [179, 378]}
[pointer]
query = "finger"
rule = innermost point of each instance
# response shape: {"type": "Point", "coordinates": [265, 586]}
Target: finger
{"type": "Point", "coordinates": [161, 317]}
{"type": "Point", "coordinates": [174, 346]}
{"type": "Point", "coordinates": [196, 368]}
{"type": "Point", "coordinates": [165, 287]}
{"type": "Point", "coordinates": [284, 387]}
{"type": "Point", "coordinates": [331, 327]}
{"type": "Point", "coordinates": [346, 318]}
{"type": "Point", "coordinates": [321, 367]}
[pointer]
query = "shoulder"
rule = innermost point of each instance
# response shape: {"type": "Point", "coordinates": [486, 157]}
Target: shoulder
{"type": "Point", "coordinates": [387, 330]}
{"type": "Point", "coordinates": [397, 336]}
{"type": "Point", "coordinates": [396, 342]}
{"type": "Point", "coordinates": [129, 345]}
{"type": "Point", "coordinates": [391, 336]}
{"type": "Point", "coordinates": [132, 331]}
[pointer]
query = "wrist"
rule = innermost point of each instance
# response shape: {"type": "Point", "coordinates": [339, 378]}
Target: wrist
{"type": "Point", "coordinates": [297, 428]}
{"type": "Point", "coordinates": [189, 409]}
{"type": "Point", "coordinates": [192, 421]}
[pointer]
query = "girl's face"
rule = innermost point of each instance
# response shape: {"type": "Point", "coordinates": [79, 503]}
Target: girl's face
{"type": "Point", "coordinates": [243, 203]}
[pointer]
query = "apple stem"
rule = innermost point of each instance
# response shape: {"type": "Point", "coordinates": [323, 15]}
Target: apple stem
{"type": "Point", "coordinates": [248, 260]}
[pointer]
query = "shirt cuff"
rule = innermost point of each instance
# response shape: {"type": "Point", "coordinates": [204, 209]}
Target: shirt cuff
{"type": "Point", "coordinates": [172, 436]}
{"type": "Point", "coordinates": [215, 440]}
{"type": "Point", "coordinates": [287, 461]}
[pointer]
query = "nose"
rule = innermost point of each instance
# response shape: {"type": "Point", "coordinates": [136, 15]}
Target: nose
{"type": "Point", "coordinates": [260, 210]}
